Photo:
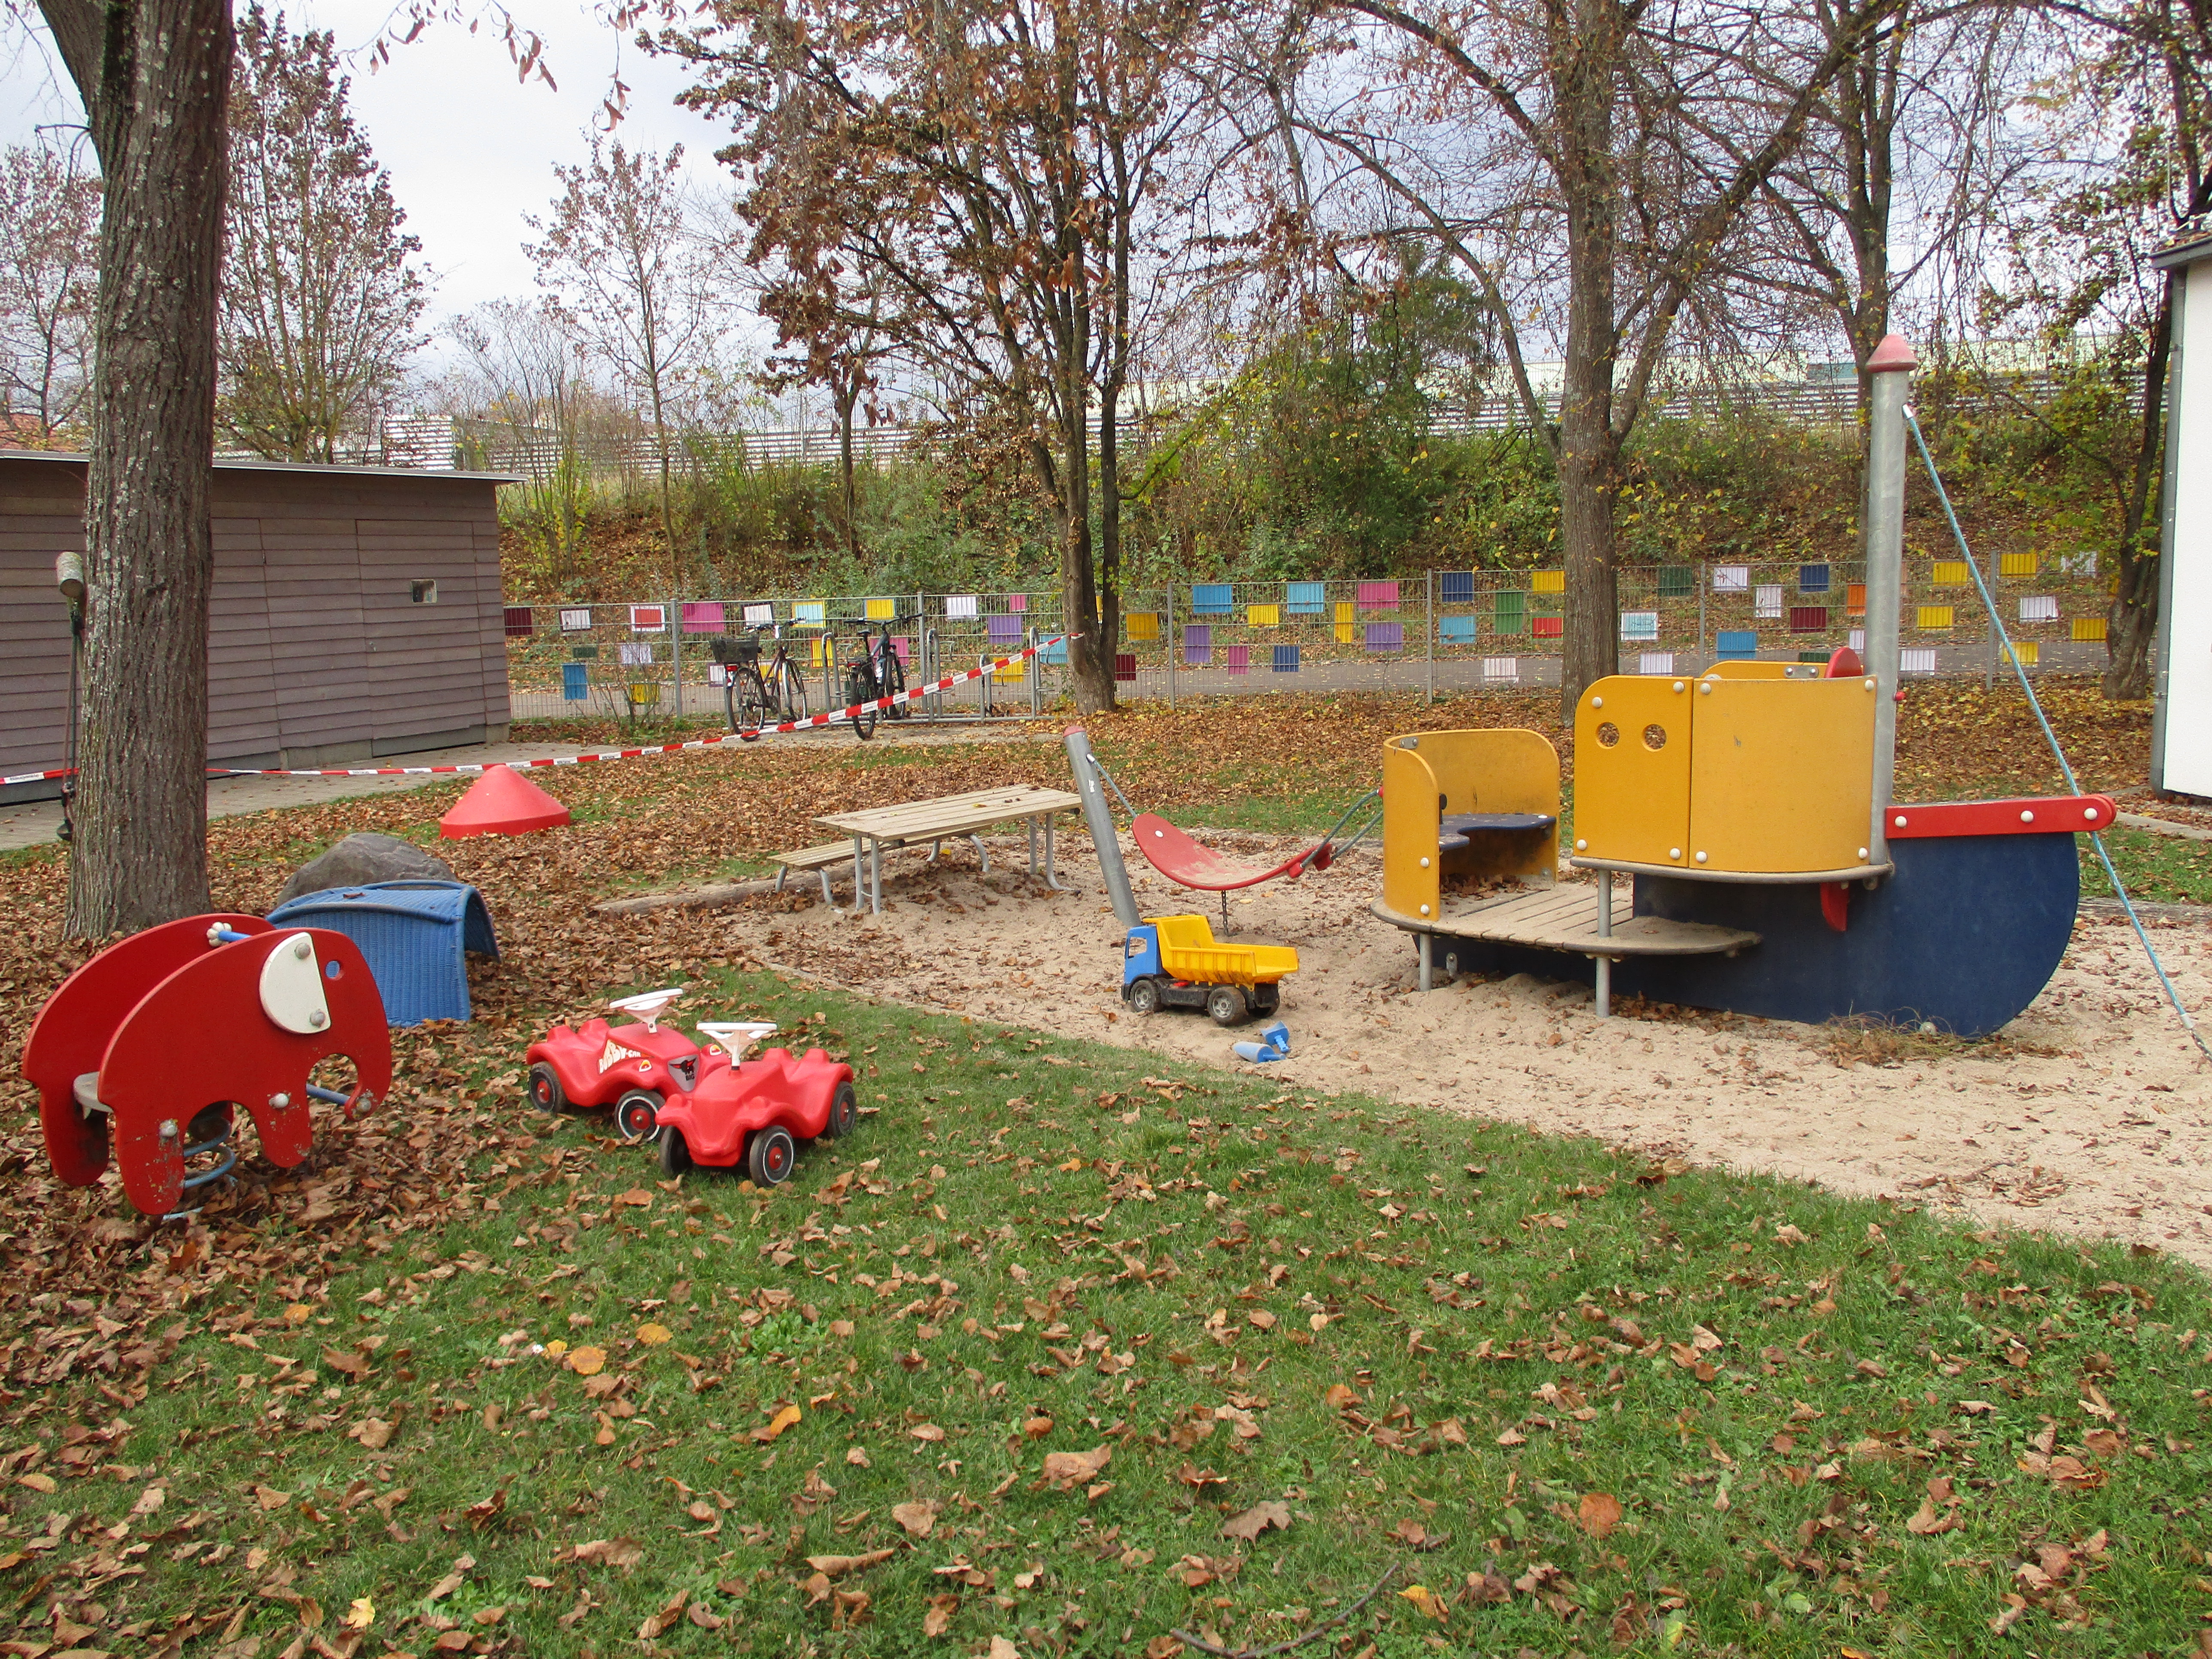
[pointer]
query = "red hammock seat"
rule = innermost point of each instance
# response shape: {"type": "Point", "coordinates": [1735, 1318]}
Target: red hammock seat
{"type": "Point", "coordinates": [1187, 864]}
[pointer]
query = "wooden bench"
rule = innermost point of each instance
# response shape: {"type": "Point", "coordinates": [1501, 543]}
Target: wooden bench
{"type": "Point", "coordinates": [819, 858]}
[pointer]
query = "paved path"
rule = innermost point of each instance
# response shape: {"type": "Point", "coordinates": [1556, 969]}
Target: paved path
{"type": "Point", "coordinates": [33, 824]}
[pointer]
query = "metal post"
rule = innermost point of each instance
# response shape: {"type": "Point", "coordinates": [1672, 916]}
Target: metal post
{"type": "Point", "coordinates": [675, 614]}
{"type": "Point", "coordinates": [1170, 614]}
{"type": "Point", "coordinates": [919, 677]}
{"type": "Point", "coordinates": [1100, 820]}
{"type": "Point", "coordinates": [1428, 646]}
{"type": "Point", "coordinates": [1704, 576]}
{"type": "Point", "coordinates": [1425, 949]}
{"type": "Point", "coordinates": [1604, 930]}
{"type": "Point", "coordinates": [1891, 366]}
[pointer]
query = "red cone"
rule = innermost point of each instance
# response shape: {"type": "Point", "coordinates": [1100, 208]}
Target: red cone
{"type": "Point", "coordinates": [501, 803]}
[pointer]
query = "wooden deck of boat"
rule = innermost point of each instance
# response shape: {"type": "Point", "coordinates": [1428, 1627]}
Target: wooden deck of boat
{"type": "Point", "coordinates": [1565, 918]}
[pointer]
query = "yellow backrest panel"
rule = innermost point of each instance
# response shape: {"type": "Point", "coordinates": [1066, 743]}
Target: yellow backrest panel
{"type": "Point", "coordinates": [1182, 932]}
{"type": "Point", "coordinates": [1410, 868]}
{"type": "Point", "coordinates": [1632, 746]}
{"type": "Point", "coordinates": [1747, 670]}
{"type": "Point", "coordinates": [1427, 774]}
{"type": "Point", "coordinates": [1781, 775]}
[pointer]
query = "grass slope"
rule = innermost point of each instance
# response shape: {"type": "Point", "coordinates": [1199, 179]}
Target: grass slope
{"type": "Point", "coordinates": [1568, 1402]}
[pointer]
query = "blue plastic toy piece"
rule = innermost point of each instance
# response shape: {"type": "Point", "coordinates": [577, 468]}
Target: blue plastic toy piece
{"type": "Point", "coordinates": [414, 934]}
{"type": "Point", "coordinates": [1141, 955]}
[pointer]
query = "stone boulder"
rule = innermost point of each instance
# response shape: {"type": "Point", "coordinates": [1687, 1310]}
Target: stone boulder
{"type": "Point", "coordinates": [360, 859]}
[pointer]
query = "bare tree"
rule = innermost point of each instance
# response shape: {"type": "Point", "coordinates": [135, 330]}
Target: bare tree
{"type": "Point", "coordinates": [49, 272]}
{"type": "Point", "coordinates": [2129, 124]}
{"type": "Point", "coordinates": [320, 297]}
{"type": "Point", "coordinates": [1586, 164]}
{"type": "Point", "coordinates": [978, 183]}
{"type": "Point", "coordinates": [627, 266]}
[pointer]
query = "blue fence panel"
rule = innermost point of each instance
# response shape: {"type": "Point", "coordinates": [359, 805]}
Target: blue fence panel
{"type": "Point", "coordinates": [1286, 659]}
{"type": "Point", "coordinates": [1456, 630]}
{"type": "Point", "coordinates": [1455, 587]}
{"type": "Point", "coordinates": [1306, 598]}
{"type": "Point", "coordinates": [1212, 599]}
{"type": "Point", "coordinates": [1734, 644]}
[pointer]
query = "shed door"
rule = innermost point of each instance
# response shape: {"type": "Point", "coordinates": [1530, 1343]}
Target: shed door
{"type": "Point", "coordinates": [420, 611]}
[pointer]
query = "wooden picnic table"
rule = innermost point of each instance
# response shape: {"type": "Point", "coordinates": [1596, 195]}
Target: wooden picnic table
{"type": "Point", "coordinates": [941, 818]}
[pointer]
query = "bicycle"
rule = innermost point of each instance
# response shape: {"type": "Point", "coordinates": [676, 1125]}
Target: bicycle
{"type": "Point", "coordinates": [752, 696]}
{"type": "Point", "coordinates": [878, 673]}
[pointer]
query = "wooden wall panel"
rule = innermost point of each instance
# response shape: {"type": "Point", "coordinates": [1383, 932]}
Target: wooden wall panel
{"type": "Point", "coordinates": [313, 643]}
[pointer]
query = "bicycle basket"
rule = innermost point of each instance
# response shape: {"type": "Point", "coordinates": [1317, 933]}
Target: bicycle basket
{"type": "Point", "coordinates": [727, 651]}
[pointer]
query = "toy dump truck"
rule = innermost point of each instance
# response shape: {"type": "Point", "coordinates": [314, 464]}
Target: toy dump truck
{"type": "Point", "coordinates": [1174, 962]}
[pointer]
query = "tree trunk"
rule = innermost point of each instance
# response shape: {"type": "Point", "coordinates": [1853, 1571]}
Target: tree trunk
{"type": "Point", "coordinates": [1105, 692]}
{"type": "Point", "coordinates": [848, 489]}
{"type": "Point", "coordinates": [154, 75]}
{"type": "Point", "coordinates": [1588, 449]}
{"type": "Point", "coordinates": [2131, 621]}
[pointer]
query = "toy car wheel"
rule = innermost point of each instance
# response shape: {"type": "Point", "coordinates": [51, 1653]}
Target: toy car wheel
{"type": "Point", "coordinates": [675, 1156]}
{"type": "Point", "coordinates": [1266, 999]}
{"type": "Point", "coordinates": [1145, 996]}
{"type": "Point", "coordinates": [771, 1156]}
{"type": "Point", "coordinates": [844, 1113]}
{"type": "Point", "coordinates": [1225, 1004]}
{"type": "Point", "coordinates": [637, 1113]}
{"type": "Point", "coordinates": [546, 1093]}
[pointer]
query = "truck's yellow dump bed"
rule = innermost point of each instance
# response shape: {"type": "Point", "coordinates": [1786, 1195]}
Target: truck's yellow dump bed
{"type": "Point", "coordinates": [1187, 950]}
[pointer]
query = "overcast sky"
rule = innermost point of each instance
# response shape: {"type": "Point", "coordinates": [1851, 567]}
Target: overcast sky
{"type": "Point", "coordinates": [470, 151]}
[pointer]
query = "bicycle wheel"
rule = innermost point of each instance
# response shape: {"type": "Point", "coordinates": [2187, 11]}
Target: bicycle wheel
{"type": "Point", "coordinates": [790, 690]}
{"type": "Point", "coordinates": [752, 710]}
{"type": "Point", "coordinates": [860, 688]}
{"type": "Point", "coordinates": [891, 675]}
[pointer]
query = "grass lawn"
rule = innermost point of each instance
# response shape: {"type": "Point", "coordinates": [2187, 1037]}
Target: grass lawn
{"type": "Point", "coordinates": [1026, 1359]}
{"type": "Point", "coordinates": [1070, 1347]}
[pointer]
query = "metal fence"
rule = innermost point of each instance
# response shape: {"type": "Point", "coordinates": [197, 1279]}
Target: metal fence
{"type": "Point", "coordinates": [1444, 631]}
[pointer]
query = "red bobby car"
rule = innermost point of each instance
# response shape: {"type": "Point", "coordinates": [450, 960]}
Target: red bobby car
{"type": "Point", "coordinates": [632, 1069]}
{"type": "Point", "coordinates": [749, 1109]}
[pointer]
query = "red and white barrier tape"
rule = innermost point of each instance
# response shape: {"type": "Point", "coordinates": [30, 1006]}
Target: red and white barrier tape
{"type": "Point", "coordinates": [827, 717]}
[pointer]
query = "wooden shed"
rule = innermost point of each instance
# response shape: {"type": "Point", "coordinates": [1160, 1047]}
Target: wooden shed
{"type": "Point", "coordinates": [355, 613]}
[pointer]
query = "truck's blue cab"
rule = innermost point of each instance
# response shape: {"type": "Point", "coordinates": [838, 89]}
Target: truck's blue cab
{"type": "Point", "coordinates": [1140, 955]}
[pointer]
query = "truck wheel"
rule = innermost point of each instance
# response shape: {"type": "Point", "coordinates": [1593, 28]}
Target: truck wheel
{"type": "Point", "coordinates": [771, 1157]}
{"type": "Point", "coordinates": [1144, 996]}
{"type": "Point", "coordinates": [637, 1113]}
{"type": "Point", "coordinates": [1266, 999]}
{"type": "Point", "coordinates": [844, 1113]}
{"type": "Point", "coordinates": [1224, 1006]}
{"type": "Point", "coordinates": [675, 1156]}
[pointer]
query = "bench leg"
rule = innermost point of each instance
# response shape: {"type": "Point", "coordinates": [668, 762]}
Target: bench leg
{"type": "Point", "coordinates": [826, 897]}
{"type": "Point", "coordinates": [1050, 879]}
{"type": "Point", "coordinates": [781, 871]}
{"type": "Point", "coordinates": [859, 875]}
{"type": "Point", "coordinates": [981, 857]}
{"type": "Point", "coordinates": [1427, 948]}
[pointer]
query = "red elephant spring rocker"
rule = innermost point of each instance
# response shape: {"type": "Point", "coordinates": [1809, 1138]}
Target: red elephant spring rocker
{"type": "Point", "coordinates": [151, 1048]}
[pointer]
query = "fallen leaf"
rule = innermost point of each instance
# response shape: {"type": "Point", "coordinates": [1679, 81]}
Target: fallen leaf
{"type": "Point", "coordinates": [624, 1553]}
{"type": "Point", "coordinates": [776, 1424]}
{"type": "Point", "coordinates": [586, 1362]}
{"type": "Point", "coordinates": [1425, 1600]}
{"type": "Point", "coordinates": [857, 1457]}
{"type": "Point", "coordinates": [653, 1336]}
{"type": "Point", "coordinates": [656, 1623]}
{"type": "Point", "coordinates": [836, 1566]}
{"type": "Point", "coordinates": [928, 1431]}
{"type": "Point", "coordinates": [1599, 1513]}
{"type": "Point", "coordinates": [1002, 1648]}
{"type": "Point", "coordinates": [373, 1432]}
{"type": "Point", "coordinates": [1256, 1520]}
{"type": "Point", "coordinates": [938, 1619]}
{"type": "Point", "coordinates": [362, 1614]}
{"type": "Point", "coordinates": [1037, 1427]}
{"type": "Point", "coordinates": [1338, 1396]}
{"type": "Point", "coordinates": [919, 1519]}
{"type": "Point", "coordinates": [1064, 1469]}
{"type": "Point", "coordinates": [37, 1482]}
{"type": "Point", "coordinates": [269, 1498]}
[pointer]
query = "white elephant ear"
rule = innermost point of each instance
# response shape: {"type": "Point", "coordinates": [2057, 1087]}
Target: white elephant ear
{"type": "Point", "coordinates": [292, 987]}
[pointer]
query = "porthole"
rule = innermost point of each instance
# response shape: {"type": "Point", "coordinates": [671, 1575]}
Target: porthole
{"type": "Point", "coordinates": [1607, 735]}
{"type": "Point", "coordinates": [1655, 737]}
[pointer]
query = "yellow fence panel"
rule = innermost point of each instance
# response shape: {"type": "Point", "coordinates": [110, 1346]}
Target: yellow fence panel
{"type": "Point", "coordinates": [1141, 625]}
{"type": "Point", "coordinates": [1348, 629]}
{"type": "Point", "coordinates": [1263, 615]}
{"type": "Point", "coordinates": [2024, 652]}
{"type": "Point", "coordinates": [2089, 629]}
{"type": "Point", "coordinates": [881, 610]}
{"type": "Point", "coordinates": [1951, 573]}
{"type": "Point", "coordinates": [1933, 618]}
{"type": "Point", "coordinates": [1548, 581]}
{"type": "Point", "coordinates": [2017, 564]}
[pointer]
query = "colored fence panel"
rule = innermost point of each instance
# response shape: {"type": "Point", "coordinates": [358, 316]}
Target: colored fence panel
{"type": "Point", "coordinates": [1639, 625]}
{"type": "Point", "coordinates": [1263, 615]}
{"type": "Point", "coordinates": [1237, 658]}
{"type": "Point", "coordinates": [1306, 598]}
{"type": "Point", "coordinates": [1377, 596]}
{"type": "Point", "coordinates": [1455, 587]}
{"type": "Point", "coordinates": [1382, 637]}
{"type": "Point", "coordinates": [1808, 618]}
{"type": "Point", "coordinates": [1197, 644]}
{"type": "Point", "coordinates": [1286, 659]}
{"type": "Point", "coordinates": [1736, 644]}
{"type": "Point", "coordinates": [1812, 578]}
{"type": "Point", "coordinates": [1677, 581]}
{"type": "Point", "coordinates": [1510, 614]}
{"type": "Point", "coordinates": [1211, 599]}
{"type": "Point", "coordinates": [1456, 630]}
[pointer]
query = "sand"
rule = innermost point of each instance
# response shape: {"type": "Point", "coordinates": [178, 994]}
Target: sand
{"type": "Point", "coordinates": [2090, 1120]}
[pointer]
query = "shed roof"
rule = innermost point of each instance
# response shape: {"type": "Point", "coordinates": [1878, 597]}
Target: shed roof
{"type": "Point", "coordinates": [310, 468]}
{"type": "Point", "coordinates": [2194, 243]}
